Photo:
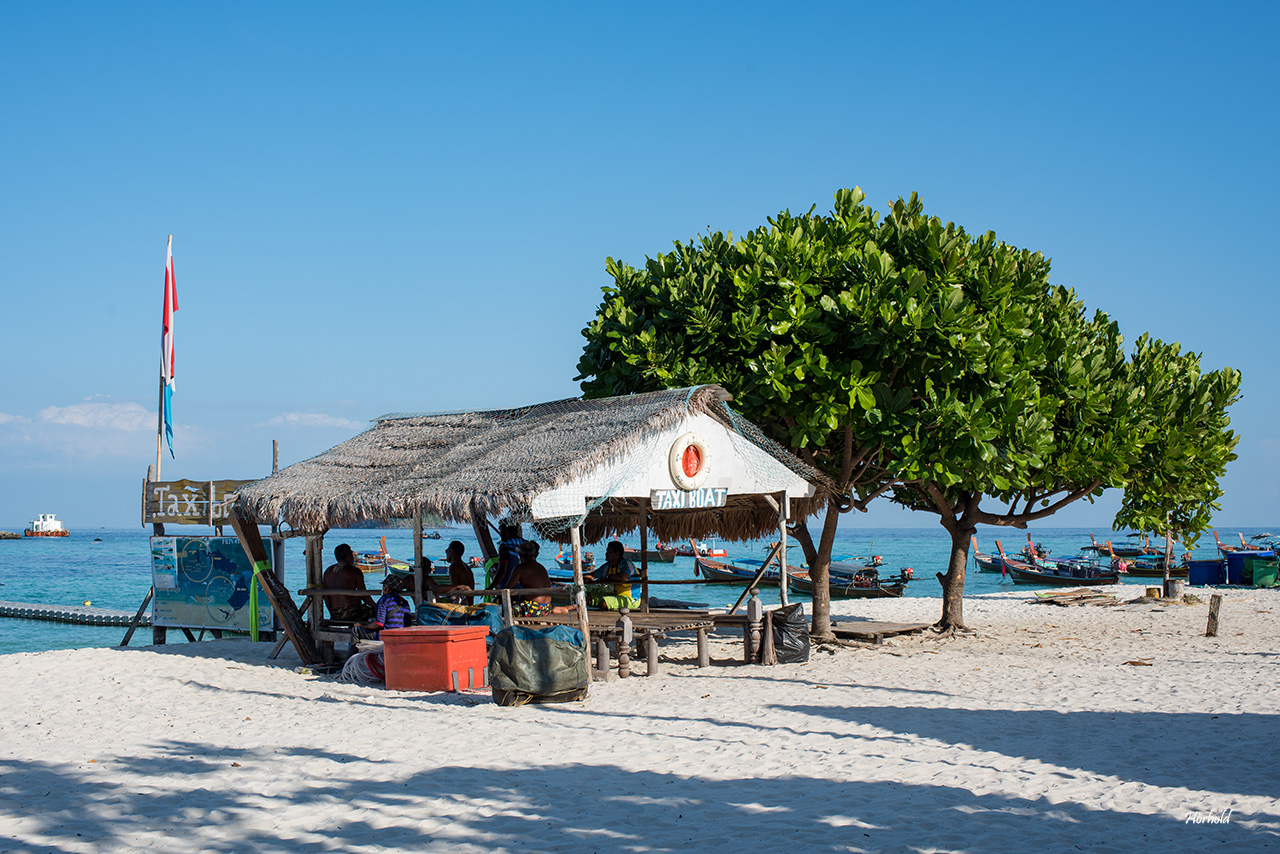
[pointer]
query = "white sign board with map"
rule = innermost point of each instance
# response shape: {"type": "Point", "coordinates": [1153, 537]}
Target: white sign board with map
{"type": "Point", "coordinates": [203, 583]}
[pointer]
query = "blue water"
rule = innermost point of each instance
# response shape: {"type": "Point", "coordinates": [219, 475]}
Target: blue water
{"type": "Point", "coordinates": [116, 572]}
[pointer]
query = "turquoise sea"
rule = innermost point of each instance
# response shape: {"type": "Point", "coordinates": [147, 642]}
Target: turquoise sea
{"type": "Point", "coordinates": [111, 568]}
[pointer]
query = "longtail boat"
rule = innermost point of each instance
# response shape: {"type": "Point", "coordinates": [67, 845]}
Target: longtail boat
{"type": "Point", "coordinates": [1223, 548]}
{"type": "Point", "coordinates": [661, 554]}
{"type": "Point", "coordinates": [1081, 574]}
{"type": "Point", "coordinates": [984, 562]}
{"type": "Point", "coordinates": [1145, 566]}
{"type": "Point", "coordinates": [715, 570]}
{"type": "Point", "coordinates": [853, 588]}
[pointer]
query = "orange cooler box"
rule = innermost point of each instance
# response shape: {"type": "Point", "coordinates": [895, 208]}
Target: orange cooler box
{"type": "Point", "coordinates": [436, 658]}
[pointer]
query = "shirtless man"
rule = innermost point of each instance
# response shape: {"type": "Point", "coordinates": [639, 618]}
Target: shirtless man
{"type": "Point", "coordinates": [460, 575]}
{"type": "Point", "coordinates": [531, 575]}
{"type": "Point", "coordinates": [344, 575]}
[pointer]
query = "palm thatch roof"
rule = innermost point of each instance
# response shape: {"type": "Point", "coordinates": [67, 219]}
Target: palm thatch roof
{"type": "Point", "coordinates": [459, 464]}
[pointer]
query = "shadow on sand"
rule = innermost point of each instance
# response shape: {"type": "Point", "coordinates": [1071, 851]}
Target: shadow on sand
{"type": "Point", "coordinates": [188, 792]}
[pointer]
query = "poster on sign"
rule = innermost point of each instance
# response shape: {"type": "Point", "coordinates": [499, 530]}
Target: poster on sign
{"type": "Point", "coordinates": [203, 583]}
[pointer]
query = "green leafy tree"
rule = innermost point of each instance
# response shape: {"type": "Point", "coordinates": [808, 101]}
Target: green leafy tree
{"type": "Point", "coordinates": [1175, 485]}
{"type": "Point", "coordinates": [899, 355]}
{"type": "Point", "coordinates": [1023, 405]}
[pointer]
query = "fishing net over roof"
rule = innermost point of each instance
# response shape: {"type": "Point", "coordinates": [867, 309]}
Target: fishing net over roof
{"type": "Point", "coordinates": [556, 464]}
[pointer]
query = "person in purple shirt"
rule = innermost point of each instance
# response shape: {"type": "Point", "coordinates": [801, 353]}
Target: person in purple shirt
{"type": "Point", "coordinates": [392, 612]}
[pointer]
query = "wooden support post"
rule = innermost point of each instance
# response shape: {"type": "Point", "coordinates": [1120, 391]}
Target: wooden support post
{"type": "Point", "coordinates": [579, 589]}
{"type": "Point", "coordinates": [704, 650]}
{"type": "Point", "coordinates": [312, 554]}
{"type": "Point", "coordinates": [508, 614]}
{"type": "Point", "coordinates": [1215, 605]}
{"type": "Point", "coordinates": [784, 580]}
{"type": "Point", "coordinates": [767, 653]}
{"type": "Point", "coordinates": [133, 624]}
{"type": "Point", "coordinates": [644, 561]}
{"type": "Point", "coordinates": [624, 643]}
{"type": "Point", "coordinates": [294, 626]}
{"type": "Point", "coordinates": [419, 571]}
{"type": "Point", "coordinates": [755, 617]}
{"type": "Point", "coordinates": [651, 653]}
{"type": "Point", "coordinates": [602, 659]}
{"type": "Point", "coordinates": [159, 634]}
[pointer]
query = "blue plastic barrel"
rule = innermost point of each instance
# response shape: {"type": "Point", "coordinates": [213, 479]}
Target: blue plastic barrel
{"type": "Point", "coordinates": [1202, 572]}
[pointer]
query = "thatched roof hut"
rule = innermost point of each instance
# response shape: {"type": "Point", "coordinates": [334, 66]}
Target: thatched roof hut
{"type": "Point", "coordinates": [558, 464]}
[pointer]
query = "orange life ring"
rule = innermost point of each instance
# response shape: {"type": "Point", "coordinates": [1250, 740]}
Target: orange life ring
{"type": "Point", "coordinates": [689, 461]}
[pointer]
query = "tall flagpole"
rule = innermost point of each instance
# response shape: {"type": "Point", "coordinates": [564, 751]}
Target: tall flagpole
{"type": "Point", "coordinates": [159, 428]}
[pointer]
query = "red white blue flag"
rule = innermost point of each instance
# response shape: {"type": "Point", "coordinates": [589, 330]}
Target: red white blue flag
{"type": "Point", "coordinates": [166, 346]}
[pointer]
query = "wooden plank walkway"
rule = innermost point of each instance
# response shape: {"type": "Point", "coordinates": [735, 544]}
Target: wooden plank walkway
{"type": "Point", "coordinates": [78, 614]}
{"type": "Point", "coordinates": [869, 630]}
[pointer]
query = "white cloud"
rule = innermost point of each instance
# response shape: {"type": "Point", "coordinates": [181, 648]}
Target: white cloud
{"type": "Point", "coordinates": [311, 419]}
{"type": "Point", "coordinates": [60, 435]}
{"type": "Point", "coordinates": [129, 417]}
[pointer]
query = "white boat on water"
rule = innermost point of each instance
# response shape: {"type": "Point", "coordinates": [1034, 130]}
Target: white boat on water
{"type": "Point", "coordinates": [46, 526]}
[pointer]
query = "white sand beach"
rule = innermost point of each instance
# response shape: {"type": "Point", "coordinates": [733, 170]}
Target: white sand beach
{"type": "Point", "coordinates": [1034, 736]}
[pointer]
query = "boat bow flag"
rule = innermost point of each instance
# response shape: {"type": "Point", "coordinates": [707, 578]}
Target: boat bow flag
{"type": "Point", "coordinates": [166, 346]}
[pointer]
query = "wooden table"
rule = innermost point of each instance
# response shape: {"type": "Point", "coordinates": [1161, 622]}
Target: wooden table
{"type": "Point", "coordinates": [622, 626]}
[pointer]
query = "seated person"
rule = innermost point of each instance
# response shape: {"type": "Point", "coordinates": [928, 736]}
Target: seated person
{"type": "Point", "coordinates": [461, 578]}
{"type": "Point", "coordinates": [345, 575]}
{"type": "Point", "coordinates": [393, 611]}
{"type": "Point", "coordinates": [509, 533]}
{"type": "Point", "coordinates": [531, 575]}
{"type": "Point", "coordinates": [618, 570]}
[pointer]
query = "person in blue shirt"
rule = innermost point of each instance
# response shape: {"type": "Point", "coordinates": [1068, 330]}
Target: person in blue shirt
{"type": "Point", "coordinates": [508, 552]}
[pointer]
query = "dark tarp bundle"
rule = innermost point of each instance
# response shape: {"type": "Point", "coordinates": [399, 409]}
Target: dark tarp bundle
{"type": "Point", "coordinates": [538, 666]}
{"type": "Point", "coordinates": [791, 634]}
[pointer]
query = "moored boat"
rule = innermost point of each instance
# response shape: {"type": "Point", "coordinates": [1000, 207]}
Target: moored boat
{"type": "Point", "coordinates": [867, 584]}
{"type": "Point", "coordinates": [984, 562]}
{"type": "Point", "coordinates": [698, 549]}
{"type": "Point", "coordinates": [661, 554]}
{"type": "Point", "coordinates": [45, 525]}
{"type": "Point", "coordinates": [1224, 548]}
{"type": "Point", "coordinates": [1079, 573]}
{"type": "Point", "coordinates": [1150, 568]}
{"type": "Point", "coordinates": [715, 570]}
{"type": "Point", "coordinates": [1145, 566]}
{"type": "Point", "coordinates": [380, 561]}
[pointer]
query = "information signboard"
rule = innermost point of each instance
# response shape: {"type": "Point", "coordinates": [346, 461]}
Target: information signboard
{"type": "Point", "coordinates": [203, 583]}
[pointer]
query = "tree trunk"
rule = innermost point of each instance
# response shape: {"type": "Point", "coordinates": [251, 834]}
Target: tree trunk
{"type": "Point", "coordinates": [953, 581]}
{"type": "Point", "coordinates": [802, 536]}
{"type": "Point", "coordinates": [819, 573]}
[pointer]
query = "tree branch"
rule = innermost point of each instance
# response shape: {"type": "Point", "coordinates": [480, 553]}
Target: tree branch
{"type": "Point", "coordinates": [940, 504]}
{"type": "Point", "coordinates": [1020, 520]}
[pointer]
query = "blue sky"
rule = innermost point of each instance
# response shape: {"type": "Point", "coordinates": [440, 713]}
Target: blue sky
{"type": "Point", "coordinates": [392, 206]}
